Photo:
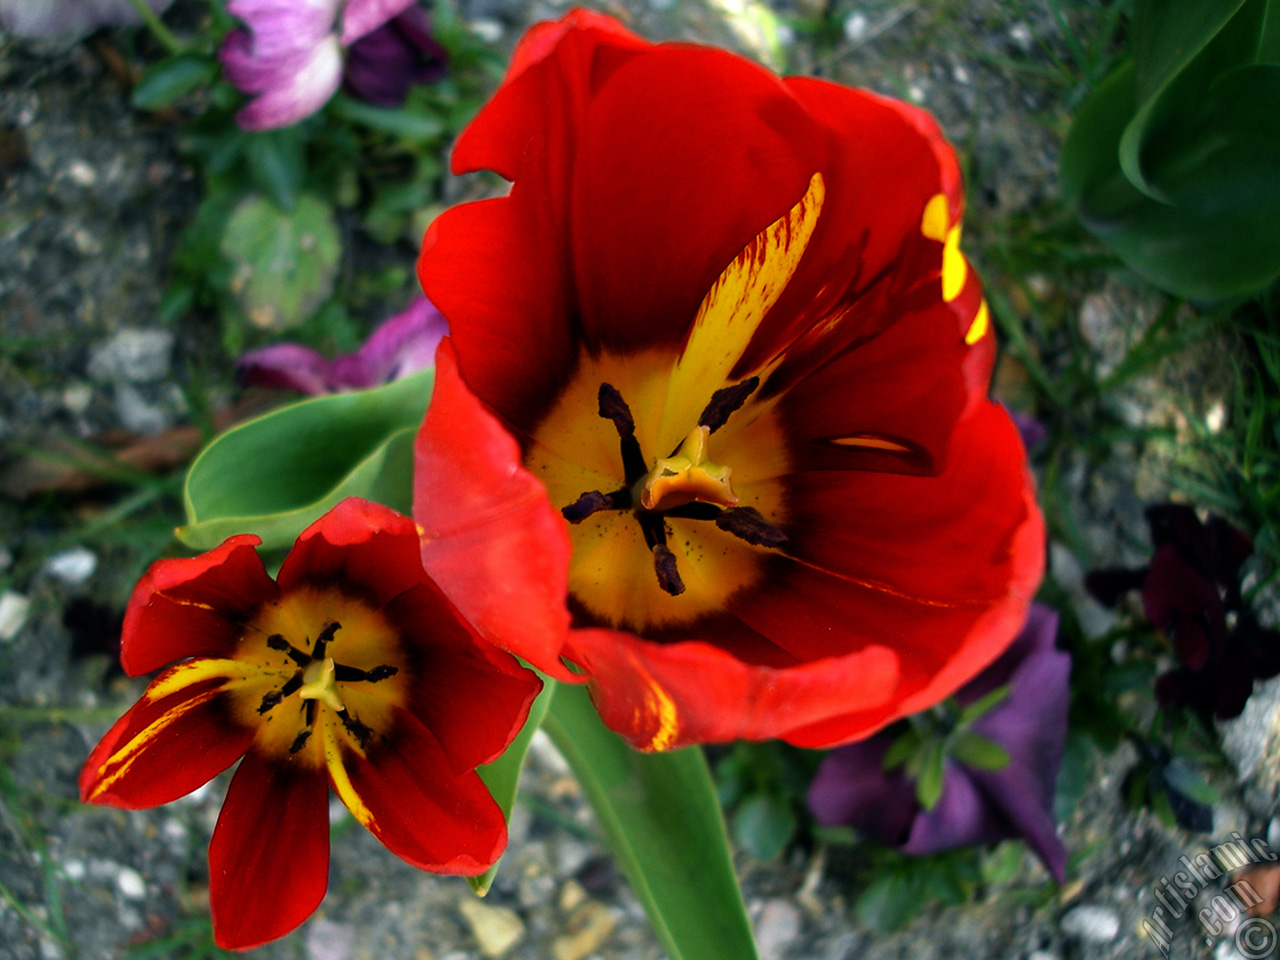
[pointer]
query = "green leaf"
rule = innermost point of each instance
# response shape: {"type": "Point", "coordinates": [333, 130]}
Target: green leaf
{"type": "Point", "coordinates": [1180, 776]}
{"type": "Point", "coordinates": [888, 903]}
{"type": "Point", "coordinates": [284, 262]}
{"type": "Point", "coordinates": [980, 706]}
{"type": "Point", "coordinates": [931, 775]}
{"type": "Point", "coordinates": [278, 162]}
{"type": "Point", "coordinates": [1168, 34]}
{"type": "Point", "coordinates": [405, 122]}
{"type": "Point", "coordinates": [502, 777]}
{"type": "Point", "coordinates": [173, 77]}
{"type": "Point", "coordinates": [660, 815]}
{"type": "Point", "coordinates": [763, 824]}
{"type": "Point", "coordinates": [975, 750]}
{"type": "Point", "coordinates": [274, 475]}
{"type": "Point", "coordinates": [902, 749]}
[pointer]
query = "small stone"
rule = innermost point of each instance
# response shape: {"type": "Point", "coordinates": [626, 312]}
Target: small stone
{"type": "Point", "coordinates": [6, 559]}
{"type": "Point", "coordinates": [137, 414]}
{"type": "Point", "coordinates": [496, 929]}
{"type": "Point", "coordinates": [490, 31]}
{"type": "Point", "coordinates": [13, 614]}
{"type": "Point", "coordinates": [73, 567]}
{"type": "Point", "coordinates": [1042, 955]}
{"type": "Point", "coordinates": [76, 398]}
{"type": "Point", "coordinates": [1092, 924]}
{"type": "Point", "coordinates": [1020, 36]}
{"type": "Point", "coordinates": [132, 356]}
{"type": "Point", "coordinates": [81, 174]}
{"type": "Point", "coordinates": [777, 928]}
{"type": "Point", "coordinates": [1246, 738]}
{"type": "Point", "coordinates": [327, 940]}
{"type": "Point", "coordinates": [572, 895]}
{"type": "Point", "coordinates": [131, 883]}
{"type": "Point", "coordinates": [856, 26]}
{"type": "Point", "coordinates": [585, 933]}
{"type": "Point", "coordinates": [74, 869]}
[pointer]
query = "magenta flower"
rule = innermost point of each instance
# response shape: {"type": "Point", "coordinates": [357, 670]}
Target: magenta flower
{"type": "Point", "coordinates": [404, 344]}
{"type": "Point", "coordinates": [52, 18]}
{"type": "Point", "coordinates": [290, 57]}
{"type": "Point", "coordinates": [977, 805]}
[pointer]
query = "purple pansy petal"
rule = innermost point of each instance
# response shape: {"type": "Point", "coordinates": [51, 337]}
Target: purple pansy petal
{"type": "Point", "coordinates": [364, 16]}
{"type": "Point", "coordinates": [285, 366]}
{"type": "Point", "coordinates": [33, 19]}
{"type": "Point", "coordinates": [1028, 813]}
{"type": "Point", "coordinates": [1030, 429]}
{"type": "Point", "coordinates": [405, 343]}
{"type": "Point", "coordinates": [383, 65]}
{"type": "Point", "coordinates": [1181, 600]}
{"type": "Point", "coordinates": [852, 788]}
{"type": "Point", "coordinates": [302, 91]}
{"type": "Point", "coordinates": [962, 817]}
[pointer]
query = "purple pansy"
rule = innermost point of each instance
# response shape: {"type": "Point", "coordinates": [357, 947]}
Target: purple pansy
{"type": "Point", "coordinates": [404, 344]}
{"type": "Point", "coordinates": [976, 806]}
{"type": "Point", "coordinates": [290, 57]}
{"type": "Point", "coordinates": [384, 64]}
{"type": "Point", "coordinates": [52, 18]}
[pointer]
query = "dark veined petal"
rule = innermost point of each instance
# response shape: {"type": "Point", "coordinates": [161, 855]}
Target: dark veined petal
{"type": "Point", "coordinates": [269, 856]}
{"type": "Point", "coordinates": [473, 697]}
{"type": "Point", "coordinates": [491, 538]}
{"type": "Point", "coordinates": [362, 547]}
{"type": "Point", "coordinates": [178, 737]}
{"type": "Point", "coordinates": [194, 607]}
{"type": "Point", "coordinates": [405, 794]}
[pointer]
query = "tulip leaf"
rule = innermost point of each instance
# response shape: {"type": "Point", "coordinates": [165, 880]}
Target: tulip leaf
{"type": "Point", "coordinates": [660, 814]}
{"type": "Point", "coordinates": [284, 262]}
{"type": "Point", "coordinates": [976, 751]}
{"type": "Point", "coordinates": [502, 777]}
{"type": "Point", "coordinates": [173, 77]}
{"type": "Point", "coordinates": [276, 474]}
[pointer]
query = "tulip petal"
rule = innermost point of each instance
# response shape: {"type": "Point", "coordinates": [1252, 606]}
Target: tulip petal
{"type": "Point", "coordinates": [178, 737]}
{"type": "Point", "coordinates": [491, 538]}
{"type": "Point", "coordinates": [473, 697]}
{"type": "Point", "coordinates": [194, 607]}
{"type": "Point", "coordinates": [367, 549]}
{"type": "Point", "coordinates": [269, 856]}
{"type": "Point", "coordinates": [405, 795]}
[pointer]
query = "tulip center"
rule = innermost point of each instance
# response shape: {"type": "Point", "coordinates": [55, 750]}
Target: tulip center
{"type": "Point", "coordinates": [686, 484]}
{"type": "Point", "coordinates": [343, 678]}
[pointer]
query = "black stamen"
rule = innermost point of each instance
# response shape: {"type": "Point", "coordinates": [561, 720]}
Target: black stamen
{"type": "Point", "coordinates": [653, 527]}
{"type": "Point", "coordinates": [613, 407]}
{"type": "Point", "coordinates": [292, 686]}
{"type": "Point", "coordinates": [300, 740]}
{"type": "Point", "coordinates": [309, 714]}
{"type": "Point", "coordinates": [593, 501]}
{"type": "Point", "coordinates": [270, 700]}
{"type": "Point", "coordinates": [326, 636]}
{"type": "Point", "coordinates": [355, 675]}
{"type": "Point", "coordinates": [277, 642]}
{"type": "Point", "coordinates": [725, 402]}
{"type": "Point", "coordinates": [694, 510]}
{"type": "Point", "coordinates": [354, 727]}
{"type": "Point", "coordinates": [664, 564]}
{"type": "Point", "coordinates": [747, 523]}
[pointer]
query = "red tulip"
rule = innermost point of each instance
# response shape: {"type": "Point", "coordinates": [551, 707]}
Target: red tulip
{"type": "Point", "coordinates": [351, 670]}
{"type": "Point", "coordinates": [719, 370]}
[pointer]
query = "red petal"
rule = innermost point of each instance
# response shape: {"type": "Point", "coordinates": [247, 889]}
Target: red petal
{"type": "Point", "coordinates": [364, 547]}
{"type": "Point", "coordinates": [269, 857]}
{"type": "Point", "coordinates": [406, 795]}
{"type": "Point", "coordinates": [684, 157]}
{"type": "Point", "coordinates": [473, 697]}
{"type": "Point", "coordinates": [194, 607]}
{"type": "Point", "coordinates": [661, 696]}
{"type": "Point", "coordinates": [178, 737]}
{"type": "Point", "coordinates": [491, 538]}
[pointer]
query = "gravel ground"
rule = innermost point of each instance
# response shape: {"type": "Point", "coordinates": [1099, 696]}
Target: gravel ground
{"type": "Point", "coordinates": [93, 196]}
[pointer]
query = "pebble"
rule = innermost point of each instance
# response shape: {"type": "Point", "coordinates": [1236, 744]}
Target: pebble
{"type": "Point", "coordinates": [496, 929]}
{"type": "Point", "coordinates": [73, 567]}
{"type": "Point", "coordinates": [13, 614]}
{"type": "Point", "coordinates": [132, 356]}
{"type": "Point", "coordinates": [137, 414]}
{"type": "Point", "coordinates": [1245, 739]}
{"type": "Point", "coordinates": [131, 883]}
{"type": "Point", "coordinates": [856, 26]}
{"type": "Point", "coordinates": [76, 398]}
{"type": "Point", "coordinates": [327, 940]}
{"type": "Point", "coordinates": [778, 927]}
{"type": "Point", "coordinates": [1092, 924]}
{"type": "Point", "coordinates": [1020, 36]}
{"type": "Point", "coordinates": [585, 933]}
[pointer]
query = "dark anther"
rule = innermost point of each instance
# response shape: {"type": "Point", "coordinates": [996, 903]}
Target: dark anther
{"type": "Point", "coordinates": [726, 401]}
{"type": "Point", "coordinates": [354, 674]}
{"type": "Point", "coordinates": [300, 740]}
{"type": "Point", "coordinates": [354, 727]}
{"type": "Point", "coordinates": [326, 636]}
{"type": "Point", "coordinates": [613, 407]}
{"type": "Point", "coordinates": [593, 501]}
{"type": "Point", "coordinates": [664, 564]}
{"type": "Point", "coordinates": [270, 700]}
{"type": "Point", "coordinates": [309, 714]}
{"type": "Point", "coordinates": [747, 523]}
{"type": "Point", "coordinates": [278, 642]}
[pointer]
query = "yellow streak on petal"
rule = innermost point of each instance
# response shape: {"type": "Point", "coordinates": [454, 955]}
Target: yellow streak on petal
{"type": "Point", "coordinates": [342, 784]}
{"type": "Point", "coordinates": [936, 216]}
{"type": "Point", "coordinates": [184, 603]}
{"type": "Point", "coordinates": [660, 707]}
{"type": "Point", "coordinates": [979, 326]}
{"type": "Point", "coordinates": [954, 267]}
{"type": "Point", "coordinates": [733, 308]}
{"type": "Point", "coordinates": [866, 440]}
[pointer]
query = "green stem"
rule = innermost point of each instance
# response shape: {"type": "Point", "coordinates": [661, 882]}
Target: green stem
{"type": "Point", "coordinates": [158, 30]}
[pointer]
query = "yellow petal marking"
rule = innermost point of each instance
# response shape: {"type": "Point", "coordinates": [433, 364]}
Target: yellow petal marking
{"type": "Point", "coordinates": [660, 706]}
{"type": "Point", "coordinates": [954, 267]}
{"type": "Point", "coordinates": [732, 310]}
{"type": "Point", "coordinates": [936, 218]}
{"type": "Point", "coordinates": [979, 326]}
{"type": "Point", "coordinates": [874, 443]}
{"type": "Point", "coordinates": [342, 784]}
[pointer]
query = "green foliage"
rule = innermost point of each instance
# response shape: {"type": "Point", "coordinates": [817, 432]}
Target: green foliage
{"type": "Point", "coordinates": [762, 787]}
{"type": "Point", "coordinates": [1175, 158]}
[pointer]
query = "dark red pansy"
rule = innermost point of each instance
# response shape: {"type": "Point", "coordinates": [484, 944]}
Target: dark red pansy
{"type": "Point", "coordinates": [351, 671]}
{"type": "Point", "coordinates": [718, 371]}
